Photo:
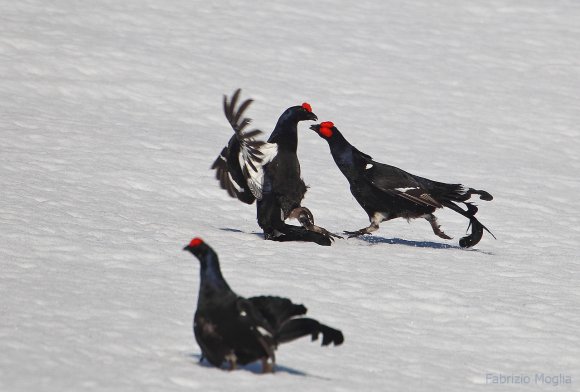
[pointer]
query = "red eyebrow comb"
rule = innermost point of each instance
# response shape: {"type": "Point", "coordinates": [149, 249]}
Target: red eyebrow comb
{"type": "Point", "coordinates": [195, 242]}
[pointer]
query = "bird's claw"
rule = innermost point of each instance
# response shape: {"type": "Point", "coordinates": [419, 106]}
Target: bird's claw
{"type": "Point", "coordinates": [306, 219]}
{"type": "Point", "coordinates": [352, 234]}
{"type": "Point", "coordinates": [330, 235]}
{"type": "Point", "coordinates": [324, 232]}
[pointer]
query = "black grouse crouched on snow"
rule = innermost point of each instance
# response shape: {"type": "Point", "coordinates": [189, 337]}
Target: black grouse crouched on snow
{"type": "Point", "coordinates": [269, 172]}
{"type": "Point", "coordinates": [386, 192]}
{"type": "Point", "coordinates": [237, 330]}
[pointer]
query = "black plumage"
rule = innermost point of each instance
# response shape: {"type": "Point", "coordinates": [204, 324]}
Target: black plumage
{"type": "Point", "coordinates": [386, 192]}
{"type": "Point", "coordinates": [236, 330]}
{"type": "Point", "coordinates": [269, 172]}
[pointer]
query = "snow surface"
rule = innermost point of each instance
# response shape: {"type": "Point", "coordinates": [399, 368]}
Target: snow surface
{"type": "Point", "coordinates": [110, 116]}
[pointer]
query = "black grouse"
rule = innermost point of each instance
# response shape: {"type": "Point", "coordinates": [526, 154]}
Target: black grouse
{"type": "Point", "coordinates": [269, 173]}
{"type": "Point", "coordinates": [236, 330]}
{"type": "Point", "coordinates": [386, 192]}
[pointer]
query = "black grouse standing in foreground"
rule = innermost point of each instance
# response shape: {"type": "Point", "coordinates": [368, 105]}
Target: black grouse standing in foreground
{"type": "Point", "coordinates": [269, 173]}
{"type": "Point", "coordinates": [237, 330]}
{"type": "Point", "coordinates": [386, 192]}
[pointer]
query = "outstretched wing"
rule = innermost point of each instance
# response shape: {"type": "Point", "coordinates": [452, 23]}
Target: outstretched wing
{"type": "Point", "coordinates": [239, 167]}
{"type": "Point", "coordinates": [252, 319]}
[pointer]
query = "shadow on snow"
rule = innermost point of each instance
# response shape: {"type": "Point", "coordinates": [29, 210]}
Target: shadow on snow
{"type": "Point", "coordinates": [416, 244]}
{"type": "Point", "coordinates": [373, 240]}
{"type": "Point", "coordinates": [256, 368]}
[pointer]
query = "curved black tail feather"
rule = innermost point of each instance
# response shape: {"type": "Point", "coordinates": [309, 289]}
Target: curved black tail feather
{"type": "Point", "coordinates": [477, 227]}
{"type": "Point", "coordinates": [299, 327]}
{"type": "Point", "coordinates": [483, 195]}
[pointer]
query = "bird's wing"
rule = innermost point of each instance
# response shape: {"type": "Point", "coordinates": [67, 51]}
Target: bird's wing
{"type": "Point", "coordinates": [254, 172]}
{"type": "Point", "coordinates": [208, 338]}
{"type": "Point", "coordinates": [226, 177]}
{"type": "Point", "coordinates": [252, 152]}
{"type": "Point", "coordinates": [252, 318]}
{"type": "Point", "coordinates": [397, 182]}
{"type": "Point", "coordinates": [239, 167]}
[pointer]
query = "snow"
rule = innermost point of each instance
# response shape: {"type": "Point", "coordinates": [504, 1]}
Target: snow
{"type": "Point", "coordinates": [110, 116]}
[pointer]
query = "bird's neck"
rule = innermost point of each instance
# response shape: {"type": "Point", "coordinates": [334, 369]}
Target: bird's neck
{"type": "Point", "coordinates": [342, 151]}
{"type": "Point", "coordinates": [285, 134]}
{"type": "Point", "coordinates": [211, 276]}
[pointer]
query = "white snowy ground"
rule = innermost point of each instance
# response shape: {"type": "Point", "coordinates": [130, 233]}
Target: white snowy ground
{"type": "Point", "coordinates": [110, 116]}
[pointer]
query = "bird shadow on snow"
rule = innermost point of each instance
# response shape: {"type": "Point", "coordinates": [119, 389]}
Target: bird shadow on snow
{"type": "Point", "coordinates": [231, 230]}
{"type": "Point", "coordinates": [417, 244]}
{"type": "Point", "coordinates": [374, 240]}
{"type": "Point", "coordinates": [258, 234]}
{"type": "Point", "coordinates": [256, 368]}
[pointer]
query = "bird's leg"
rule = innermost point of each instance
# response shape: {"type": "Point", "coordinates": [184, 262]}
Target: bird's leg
{"type": "Point", "coordinates": [306, 219]}
{"type": "Point", "coordinates": [432, 219]}
{"type": "Point", "coordinates": [232, 361]}
{"type": "Point", "coordinates": [375, 219]}
{"type": "Point", "coordinates": [267, 366]}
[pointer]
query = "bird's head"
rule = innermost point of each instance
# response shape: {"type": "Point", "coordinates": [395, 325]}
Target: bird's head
{"type": "Point", "coordinates": [197, 247]}
{"type": "Point", "coordinates": [325, 129]}
{"type": "Point", "coordinates": [301, 113]}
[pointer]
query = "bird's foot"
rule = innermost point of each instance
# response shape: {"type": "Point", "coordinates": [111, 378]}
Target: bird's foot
{"type": "Point", "coordinates": [374, 226]}
{"type": "Point", "coordinates": [436, 227]}
{"type": "Point", "coordinates": [441, 234]}
{"type": "Point", "coordinates": [306, 219]}
{"type": "Point", "coordinates": [232, 361]}
{"type": "Point", "coordinates": [358, 233]}
{"type": "Point", "coordinates": [324, 232]}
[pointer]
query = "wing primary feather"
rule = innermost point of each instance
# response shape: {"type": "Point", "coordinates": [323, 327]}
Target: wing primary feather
{"type": "Point", "coordinates": [233, 103]}
{"type": "Point", "coordinates": [251, 134]}
{"type": "Point", "coordinates": [241, 110]}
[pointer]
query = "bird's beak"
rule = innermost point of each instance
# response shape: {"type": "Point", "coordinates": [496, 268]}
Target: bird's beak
{"type": "Point", "coordinates": [315, 127]}
{"type": "Point", "coordinates": [311, 116]}
{"type": "Point", "coordinates": [186, 247]}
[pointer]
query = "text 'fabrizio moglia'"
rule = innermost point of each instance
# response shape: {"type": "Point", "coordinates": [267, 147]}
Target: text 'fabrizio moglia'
{"type": "Point", "coordinates": [536, 378]}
